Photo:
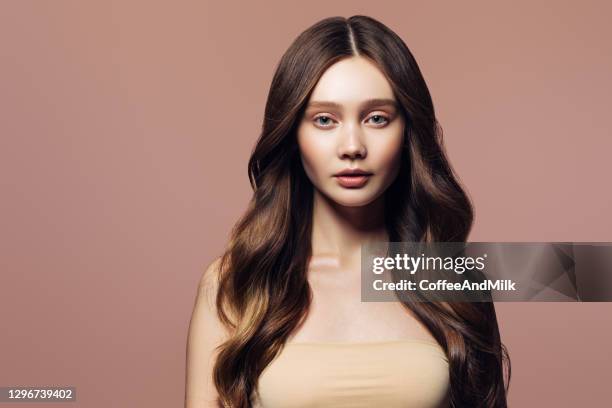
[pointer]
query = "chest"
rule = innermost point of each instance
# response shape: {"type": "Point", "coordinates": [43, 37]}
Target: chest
{"type": "Point", "coordinates": [338, 314]}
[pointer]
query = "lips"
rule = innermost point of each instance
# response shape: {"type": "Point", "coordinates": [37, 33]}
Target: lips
{"type": "Point", "coordinates": [352, 178]}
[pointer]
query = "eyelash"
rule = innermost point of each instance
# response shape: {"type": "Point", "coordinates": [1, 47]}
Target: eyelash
{"type": "Point", "coordinates": [373, 116]}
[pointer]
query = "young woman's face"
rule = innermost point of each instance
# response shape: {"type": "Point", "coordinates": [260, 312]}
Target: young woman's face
{"type": "Point", "coordinates": [351, 122]}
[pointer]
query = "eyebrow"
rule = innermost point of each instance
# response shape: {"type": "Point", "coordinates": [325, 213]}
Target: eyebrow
{"type": "Point", "coordinates": [366, 104]}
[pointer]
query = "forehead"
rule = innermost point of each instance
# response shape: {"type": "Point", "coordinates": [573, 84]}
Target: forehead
{"type": "Point", "coordinates": [352, 80]}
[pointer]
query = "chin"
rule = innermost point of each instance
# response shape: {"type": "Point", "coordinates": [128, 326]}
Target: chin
{"type": "Point", "coordinates": [353, 198]}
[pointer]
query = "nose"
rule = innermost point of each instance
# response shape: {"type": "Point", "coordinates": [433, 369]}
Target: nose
{"type": "Point", "coordinates": [351, 145]}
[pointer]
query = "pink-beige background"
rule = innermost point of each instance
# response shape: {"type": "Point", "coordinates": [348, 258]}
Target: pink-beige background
{"type": "Point", "coordinates": [125, 132]}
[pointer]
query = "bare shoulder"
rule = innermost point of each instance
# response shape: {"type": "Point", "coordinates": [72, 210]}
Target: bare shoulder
{"type": "Point", "coordinates": [209, 282]}
{"type": "Point", "coordinates": [206, 334]}
{"type": "Point", "coordinates": [205, 307]}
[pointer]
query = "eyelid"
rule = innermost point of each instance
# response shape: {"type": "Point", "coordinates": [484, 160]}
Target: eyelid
{"type": "Point", "coordinates": [322, 114]}
{"type": "Point", "coordinates": [380, 113]}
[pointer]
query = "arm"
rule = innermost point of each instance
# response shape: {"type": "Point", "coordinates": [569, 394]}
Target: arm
{"type": "Point", "coordinates": [205, 333]}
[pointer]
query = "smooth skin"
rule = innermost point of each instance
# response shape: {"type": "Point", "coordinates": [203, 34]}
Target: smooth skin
{"type": "Point", "coordinates": [351, 121]}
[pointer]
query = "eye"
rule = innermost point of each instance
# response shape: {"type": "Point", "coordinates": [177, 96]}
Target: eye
{"type": "Point", "coordinates": [323, 121]}
{"type": "Point", "coordinates": [379, 119]}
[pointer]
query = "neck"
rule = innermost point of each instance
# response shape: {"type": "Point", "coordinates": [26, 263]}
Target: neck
{"type": "Point", "coordinates": [338, 231]}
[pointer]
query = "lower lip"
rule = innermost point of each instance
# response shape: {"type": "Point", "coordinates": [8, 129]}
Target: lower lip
{"type": "Point", "coordinates": [352, 181]}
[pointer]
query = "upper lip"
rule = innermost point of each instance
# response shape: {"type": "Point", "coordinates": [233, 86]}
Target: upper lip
{"type": "Point", "coordinates": [353, 172]}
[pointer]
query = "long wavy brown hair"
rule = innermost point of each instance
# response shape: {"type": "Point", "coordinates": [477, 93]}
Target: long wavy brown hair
{"type": "Point", "coordinates": [263, 292]}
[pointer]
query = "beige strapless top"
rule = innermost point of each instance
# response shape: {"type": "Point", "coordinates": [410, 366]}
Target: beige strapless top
{"type": "Point", "coordinates": [389, 374]}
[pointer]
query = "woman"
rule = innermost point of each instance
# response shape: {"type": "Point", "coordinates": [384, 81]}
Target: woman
{"type": "Point", "coordinates": [350, 153]}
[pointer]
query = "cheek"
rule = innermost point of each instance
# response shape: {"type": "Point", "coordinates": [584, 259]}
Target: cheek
{"type": "Point", "coordinates": [388, 154]}
{"type": "Point", "coordinates": [312, 154]}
